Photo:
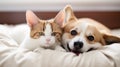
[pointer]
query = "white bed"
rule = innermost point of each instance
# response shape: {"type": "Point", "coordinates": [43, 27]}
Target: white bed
{"type": "Point", "coordinates": [11, 56]}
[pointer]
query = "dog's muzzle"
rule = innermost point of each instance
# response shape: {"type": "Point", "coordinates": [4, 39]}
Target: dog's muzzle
{"type": "Point", "coordinates": [76, 51]}
{"type": "Point", "coordinates": [78, 45]}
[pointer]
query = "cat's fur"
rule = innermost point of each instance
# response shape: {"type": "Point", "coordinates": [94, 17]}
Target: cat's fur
{"type": "Point", "coordinates": [36, 33]}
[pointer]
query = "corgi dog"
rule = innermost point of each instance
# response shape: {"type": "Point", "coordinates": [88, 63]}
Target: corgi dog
{"type": "Point", "coordinates": [84, 34]}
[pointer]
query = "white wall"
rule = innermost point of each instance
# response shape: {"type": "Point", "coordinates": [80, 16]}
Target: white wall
{"type": "Point", "coordinates": [56, 5]}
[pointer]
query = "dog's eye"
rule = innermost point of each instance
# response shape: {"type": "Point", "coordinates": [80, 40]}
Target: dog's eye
{"type": "Point", "coordinates": [91, 38]}
{"type": "Point", "coordinates": [74, 32]}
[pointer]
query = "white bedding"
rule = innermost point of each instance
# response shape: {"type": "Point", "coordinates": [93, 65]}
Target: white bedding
{"type": "Point", "coordinates": [11, 56]}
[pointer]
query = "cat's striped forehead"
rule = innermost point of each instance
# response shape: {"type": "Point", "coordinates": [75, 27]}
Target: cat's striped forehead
{"type": "Point", "coordinates": [51, 26]}
{"type": "Point", "coordinates": [47, 27]}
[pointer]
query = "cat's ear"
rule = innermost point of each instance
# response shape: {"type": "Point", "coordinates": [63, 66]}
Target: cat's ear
{"type": "Point", "coordinates": [65, 16]}
{"type": "Point", "coordinates": [31, 18]}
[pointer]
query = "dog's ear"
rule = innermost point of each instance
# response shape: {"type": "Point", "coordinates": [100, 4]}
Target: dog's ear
{"type": "Point", "coordinates": [110, 38]}
{"type": "Point", "coordinates": [65, 16]}
{"type": "Point", "coordinates": [31, 18]}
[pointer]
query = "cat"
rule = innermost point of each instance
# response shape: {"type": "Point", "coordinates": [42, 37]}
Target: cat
{"type": "Point", "coordinates": [37, 33]}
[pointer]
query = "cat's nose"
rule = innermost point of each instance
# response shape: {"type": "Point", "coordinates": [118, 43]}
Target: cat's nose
{"type": "Point", "coordinates": [48, 39]}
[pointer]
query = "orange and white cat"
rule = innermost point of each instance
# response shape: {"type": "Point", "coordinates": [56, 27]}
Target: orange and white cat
{"type": "Point", "coordinates": [36, 33]}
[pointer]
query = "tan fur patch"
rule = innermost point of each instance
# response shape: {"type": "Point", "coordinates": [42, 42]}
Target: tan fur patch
{"type": "Point", "coordinates": [91, 30]}
{"type": "Point", "coordinates": [97, 24]}
{"type": "Point", "coordinates": [39, 27]}
{"type": "Point", "coordinates": [68, 27]}
{"type": "Point", "coordinates": [57, 30]}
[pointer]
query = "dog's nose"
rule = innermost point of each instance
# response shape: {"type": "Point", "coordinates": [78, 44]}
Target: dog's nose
{"type": "Point", "coordinates": [78, 45]}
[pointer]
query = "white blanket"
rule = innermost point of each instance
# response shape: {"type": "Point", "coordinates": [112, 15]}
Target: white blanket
{"type": "Point", "coordinates": [11, 56]}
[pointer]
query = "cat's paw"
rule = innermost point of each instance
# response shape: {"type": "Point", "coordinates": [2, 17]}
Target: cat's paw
{"type": "Point", "coordinates": [38, 50]}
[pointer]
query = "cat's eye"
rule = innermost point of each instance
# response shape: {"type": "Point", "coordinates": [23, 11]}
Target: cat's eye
{"type": "Point", "coordinates": [74, 32]}
{"type": "Point", "coordinates": [54, 33]}
{"type": "Point", "coordinates": [41, 33]}
{"type": "Point", "coordinates": [91, 38]}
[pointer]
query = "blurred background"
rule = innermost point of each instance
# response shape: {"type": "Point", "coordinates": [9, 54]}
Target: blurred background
{"type": "Point", "coordinates": [105, 11]}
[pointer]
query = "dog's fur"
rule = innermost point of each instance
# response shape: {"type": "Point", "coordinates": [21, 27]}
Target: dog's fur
{"type": "Point", "coordinates": [84, 34]}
